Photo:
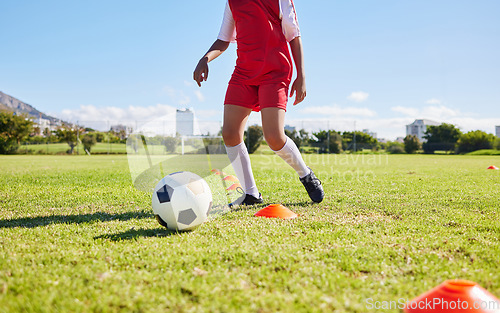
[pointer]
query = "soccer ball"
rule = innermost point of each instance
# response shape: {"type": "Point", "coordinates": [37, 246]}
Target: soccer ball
{"type": "Point", "coordinates": [182, 201]}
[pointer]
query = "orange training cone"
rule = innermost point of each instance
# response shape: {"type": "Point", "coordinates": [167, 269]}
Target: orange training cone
{"type": "Point", "coordinates": [234, 186]}
{"type": "Point", "coordinates": [230, 178]}
{"type": "Point", "coordinates": [276, 210]}
{"type": "Point", "coordinates": [493, 167]}
{"type": "Point", "coordinates": [454, 296]}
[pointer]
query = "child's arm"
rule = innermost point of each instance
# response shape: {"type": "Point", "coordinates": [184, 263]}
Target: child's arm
{"type": "Point", "coordinates": [299, 85]}
{"type": "Point", "coordinates": [201, 71]}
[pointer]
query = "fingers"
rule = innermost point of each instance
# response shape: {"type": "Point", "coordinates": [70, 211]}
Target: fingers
{"type": "Point", "coordinates": [299, 97]}
{"type": "Point", "coordinates": [200, 74]}
{"type": "Point", "coordinates": [205, 74]}
{"type": "Point", "coordinates": [197, 77]}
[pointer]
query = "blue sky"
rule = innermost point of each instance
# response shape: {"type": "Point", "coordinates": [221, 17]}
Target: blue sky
{"type": "Point", "coordinates": [369, 64]}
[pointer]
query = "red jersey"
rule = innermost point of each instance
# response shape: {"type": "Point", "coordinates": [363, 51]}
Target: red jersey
{"type": "Point", "coordinates": [263, 55]}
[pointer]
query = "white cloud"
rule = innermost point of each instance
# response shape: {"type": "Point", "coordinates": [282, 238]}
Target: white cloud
{"type": "Point", "coordinates": [405, 110]}
{"type": "Point", "coordinates": [204, 114]}
{"type": "Point", "coordinates": [103, 117]}
{"type": "Point", "coordinates": [469, 123]}
{"type": "Point", "coordinates": [338, 111]}
{"type": "Point", "coordinates": [322, 117]}
{"type": "Point", "coordinates": [436, 112]}
{"type": "Point", "coordinates": [177, 96]}
{"type": "Point", "coordinates": [433, 101]}
{"type": "Point", "coordinates": [199, 95]}
{"type": "Point", "coordinates": [160, 116]}
{"type": "Point", "coordinates": [358, 96]}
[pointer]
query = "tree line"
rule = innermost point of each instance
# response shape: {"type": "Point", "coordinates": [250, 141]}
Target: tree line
{"type": "Point", "coordinates": [15, 129]}
{"type": "Point", "coordinates": [445, 137]}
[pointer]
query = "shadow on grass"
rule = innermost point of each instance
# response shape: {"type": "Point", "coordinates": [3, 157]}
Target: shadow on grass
{"type": "Point", "coordinates": [40, 221]}
{"type": "Point", "coordinates": [261, 206]}
{"type": "Point", "coordinates": [136, 233]}
{"type": "Point", "coordinates": [238, 208]}
{"type": "Point", "coordinates": [301, 204]}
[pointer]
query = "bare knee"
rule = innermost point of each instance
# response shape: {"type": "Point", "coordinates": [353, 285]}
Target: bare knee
{"type": "Point", "coordinates": [231, 137]}
{"type": "Point", "coordinates": [275, 141]}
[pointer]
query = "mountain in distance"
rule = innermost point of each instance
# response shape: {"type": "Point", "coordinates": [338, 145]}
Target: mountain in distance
{"type": "Point", "coordinates": [9, 103]}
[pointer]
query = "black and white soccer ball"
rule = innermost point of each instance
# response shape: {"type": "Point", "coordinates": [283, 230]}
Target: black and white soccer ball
{"type": "Point", "coordinates": [182, 201]}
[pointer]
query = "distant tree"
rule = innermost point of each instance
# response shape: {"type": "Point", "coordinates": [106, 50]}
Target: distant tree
{"type": "Point", "coordinates": [100, 136]}
{"type": "Point", "coordinates": [363, 141]}
{"type": "Point", "coordinates": [394, 147]}
{"type": "Point", "coordinates": [475, 140]}
{"type": "Point", "coordinates": [299, 138]}
{"type": "Point", "coordinates": [13, 129]}
{"type": "Point", "coordinates": [304, 135]}
{"type": "Point", "coordinates": [171, 143]}
{"type": "Point", "coordinates": [328, 141]}
{"type": "Point", "coordinates": [294, 136]}
{"type": "Point", "coordinates": [37, 139]}
{"type": "Point", "coordinates": [112, 137]}
{"type": "Point", "coordinates": [209, 145]}
{"type": "Point", "coordinates": [443, 137]}
{"type": "Point", "coordinates": [52, 137]}
{"type": "Point", "coordinates": [253, 138]}
{"type": "Point", "coordinates": [88, 141]}
{"type": "Point", "coordinates": [68, 135]}
{"type": "Point", "coordinates": [134, 141]}
{"type": "Point", "coordinates": [21, 128]}
{"type": "Point", "coordinates": [412, 144]}
{"type": "Point", "coordinates": [497, 143]}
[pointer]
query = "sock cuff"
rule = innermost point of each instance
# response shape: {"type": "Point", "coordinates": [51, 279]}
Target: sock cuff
{"type": "Point", "coordinates": [237, 146]}
{"type": "Point", "coordinates": [284, 146]}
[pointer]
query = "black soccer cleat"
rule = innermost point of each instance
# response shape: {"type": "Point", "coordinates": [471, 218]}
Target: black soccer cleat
{"type": "Point", "coordinates": [313, 187]}
{"type": "Point", "coordinates": [247, 200]}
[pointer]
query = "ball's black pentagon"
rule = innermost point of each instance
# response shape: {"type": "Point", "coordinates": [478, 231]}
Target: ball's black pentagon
{"type": "Point", "coordinates": [165, 194]}
{"type": "Point", "coordinates": [186, 217]}
{"type": "Point", "coordinates": [161, 221]}
{"type": "Point", "coordinates": [209, 207]}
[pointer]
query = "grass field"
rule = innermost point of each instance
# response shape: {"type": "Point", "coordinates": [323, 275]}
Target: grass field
{"type": "Point", "coordinates": [98, 148]}
{"type": "Point", "coordinates": [75, 236]}
{"type": "Point", "coordinates": [61, 148]}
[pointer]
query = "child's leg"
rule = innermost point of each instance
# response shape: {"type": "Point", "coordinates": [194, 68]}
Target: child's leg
{"type": "Point", "coordinates": [273, 125]}
{"type": "Point", "coordinates": [235, 118]}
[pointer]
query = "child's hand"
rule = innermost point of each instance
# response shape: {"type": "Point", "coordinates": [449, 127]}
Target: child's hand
{"type": "Point", "coordinates": [299, 88]}
{"type": "Point", "coordinates": [201, 71]}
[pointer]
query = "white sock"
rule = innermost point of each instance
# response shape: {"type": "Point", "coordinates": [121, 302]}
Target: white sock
{"type": "Point", "coordinates": [291, 154]}
{"type": "Point", "coordinates": [240, 160]}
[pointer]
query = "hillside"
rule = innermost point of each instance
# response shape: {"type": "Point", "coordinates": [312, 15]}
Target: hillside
{"type": "Point", "coordinates": [12, 104]}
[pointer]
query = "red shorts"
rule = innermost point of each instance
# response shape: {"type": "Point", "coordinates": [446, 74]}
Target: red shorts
{"type": "Point", "coordinates": [257, 97]}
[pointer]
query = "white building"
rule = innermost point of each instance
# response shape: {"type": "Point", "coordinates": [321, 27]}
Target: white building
{"type": "Point", "coordinates": [44, 126]}
{"type": "Point", "coordinates": [184, 122]}
{"type": "Point", "coordinates": [497, 131]}
{"type": "Point", "coordinates": [41, 123]}
{"type": "Point", "coordinates": [418, 128]}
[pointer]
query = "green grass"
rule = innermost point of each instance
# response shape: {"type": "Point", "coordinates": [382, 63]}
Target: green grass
{"type": "Point", "coordinates": [485, 152]}
{"type": "Point", "coordinates": [61, 148]}
{"type": "Point", "coordinates": [75, 236]}
{"type": "Point", "coordinates": [98, 148]}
